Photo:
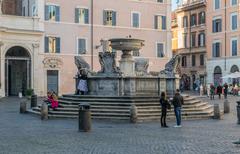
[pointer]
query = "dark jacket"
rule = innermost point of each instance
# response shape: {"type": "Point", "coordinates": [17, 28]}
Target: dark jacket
{"type": "Point", "coordinates": [177, 100]}
{"type": "Point", "coordinates": [164, 103]}
{"type": "Point", "coordinates": [219, 89]}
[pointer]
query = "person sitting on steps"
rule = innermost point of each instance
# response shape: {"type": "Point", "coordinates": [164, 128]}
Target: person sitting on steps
{"type": "Point", "coordinates": [52, 100]}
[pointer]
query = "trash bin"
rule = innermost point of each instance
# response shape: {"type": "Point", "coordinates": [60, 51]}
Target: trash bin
{"type": "Point", "coordinates": [33, 101]}
{"type": "Point", "coordinates": [84, 117]}
{"type": "Point", "coordinates": [238, 111]}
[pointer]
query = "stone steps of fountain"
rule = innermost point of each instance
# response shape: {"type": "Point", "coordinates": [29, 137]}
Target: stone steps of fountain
{"type": "Point", "coordinates": [119, 108]}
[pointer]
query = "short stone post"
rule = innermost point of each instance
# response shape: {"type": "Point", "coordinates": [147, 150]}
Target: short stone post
{"type": "Point", "coordinates": [23, 106]}
{"type": "Point", "coordinates": [44, 111]}
{"type": "Point", "coordinates": [201, 90]}
{"type": "Point", "coordinates": [226, 106]}
{"type": "Point", "coordinates": [238, 111]}
{"type": "Point", "coordinates": [133, 114]}
{"type": "Point", "coordinates": [84, 118]}
{"type": "Point", "coordinates": [216, 110]}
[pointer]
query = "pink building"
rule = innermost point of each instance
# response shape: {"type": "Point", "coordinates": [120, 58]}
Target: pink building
{"type": "Point", "coordinates": [48, 34]}
{"type": "Point", "coordinates": [222, 37]}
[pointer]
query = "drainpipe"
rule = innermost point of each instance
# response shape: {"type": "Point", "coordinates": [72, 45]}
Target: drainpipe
{"type": "Point", "coordinates": [225, 36]}
{"type": "Point", "coordinates": [92, 35]}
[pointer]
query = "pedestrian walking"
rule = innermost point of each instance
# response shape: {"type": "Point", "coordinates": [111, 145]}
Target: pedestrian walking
{"type": "Point", "coordinates": [212, 91]}
{"type": "Point", "coordinates": [219, 91]}
{"type": "Point", "coordinates": [225, 90]}
{"type": "Point", "coordinates": [177, 103]}
{"type": "Point", "coordinates": [165, 105]}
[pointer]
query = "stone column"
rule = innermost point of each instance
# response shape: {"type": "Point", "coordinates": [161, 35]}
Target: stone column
{"type": "Point", "coordinates": [127, 64]}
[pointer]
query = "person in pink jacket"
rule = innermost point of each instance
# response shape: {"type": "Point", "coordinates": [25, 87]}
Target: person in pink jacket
{"type": "Point", "coordinates": [52, 100]}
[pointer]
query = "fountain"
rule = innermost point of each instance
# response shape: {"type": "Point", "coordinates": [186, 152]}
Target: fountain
{"type": "Point", "coordinates": [131, 78]}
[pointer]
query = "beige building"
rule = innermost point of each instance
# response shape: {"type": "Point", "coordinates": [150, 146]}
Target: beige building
{"type": "Point", "coordinates": [189, 37]}
{"type": "Point", "coordinates": [39, 38]}
{"type": "Point", "coordinates": [223, 33]}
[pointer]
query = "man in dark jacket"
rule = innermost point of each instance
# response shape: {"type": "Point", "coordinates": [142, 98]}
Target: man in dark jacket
{"type": "Point", "coordinates": [177, 103]}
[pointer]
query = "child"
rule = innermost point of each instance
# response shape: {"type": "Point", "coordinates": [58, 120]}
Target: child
{"type": "Point", "coordinates": [52, 100]}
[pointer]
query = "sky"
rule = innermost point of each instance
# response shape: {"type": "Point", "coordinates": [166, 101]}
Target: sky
{"type": "Point", "coordinates": [174, 5]}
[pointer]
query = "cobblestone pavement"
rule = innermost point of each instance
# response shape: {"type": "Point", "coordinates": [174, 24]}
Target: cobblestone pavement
{"type": "Point", "coordinates": [27, 134]}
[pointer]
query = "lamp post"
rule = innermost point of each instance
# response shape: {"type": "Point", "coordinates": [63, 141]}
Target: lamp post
{"type": "Point", "coordinates": [92, 35]}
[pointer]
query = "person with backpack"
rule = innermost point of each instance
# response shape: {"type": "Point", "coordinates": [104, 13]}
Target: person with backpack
{"type": "Point", "coordinates": [177, 103]}
{"type": "Point", "coordinates": [165, 105]}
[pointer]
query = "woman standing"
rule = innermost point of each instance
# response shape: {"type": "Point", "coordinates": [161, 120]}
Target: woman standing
{"type": "Point", "coordinates": [82, 85]}
{"type": "Point", "coordinates": [165, 104]}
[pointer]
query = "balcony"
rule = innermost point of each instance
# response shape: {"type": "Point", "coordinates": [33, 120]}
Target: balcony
{"type": "Point", "coordinates": [20, 23]}
{"type": "Point", "coordinates": [191, 4]}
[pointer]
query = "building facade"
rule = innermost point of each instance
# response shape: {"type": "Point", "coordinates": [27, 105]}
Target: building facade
{"type": "Point", "coordinates": [222, 37]}
{"type": "Point", "coordinates": [39, 39]}
{"type": "Point", "coordinates": [189, 27]}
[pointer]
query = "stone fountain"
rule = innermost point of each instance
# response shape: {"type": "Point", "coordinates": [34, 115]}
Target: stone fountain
{"type": "Point", "coordinates": [131, 77]}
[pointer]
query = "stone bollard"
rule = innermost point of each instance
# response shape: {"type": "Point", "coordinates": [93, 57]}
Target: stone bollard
{"type": "Point", "coordinates": [226, 106]}
{"type": "Point", "coordinates": [216, 110]}
{"type": "Point", "coordinates": [238, 111]}
{"type": "Point", "coordinates": [84, 118]}
{"type": "Point", "coordinates": [44, 111]}
{"type": "Point", "coordinates": [23, 106]}
{"type": "Point", "coordinates": [133, 114]}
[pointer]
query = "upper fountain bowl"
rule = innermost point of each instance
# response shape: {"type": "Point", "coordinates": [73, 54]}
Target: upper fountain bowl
{"type": "Point", "coordinates": [126, 44]}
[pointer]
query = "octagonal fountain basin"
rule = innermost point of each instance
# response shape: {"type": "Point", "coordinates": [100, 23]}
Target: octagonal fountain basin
{"type": "Point", "coordinates": [126, 44]}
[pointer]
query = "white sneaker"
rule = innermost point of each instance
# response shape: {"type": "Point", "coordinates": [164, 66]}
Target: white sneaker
{"type": "Point", "coordinates": [177, 126]}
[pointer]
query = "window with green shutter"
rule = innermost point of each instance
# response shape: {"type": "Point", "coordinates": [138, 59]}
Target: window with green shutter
{"type": "Point", "coordinates": [82, 46]}
{"type": "Point", "coordinates": [109, 18]}
{"type": "Point", "coordinates": [81, 15]}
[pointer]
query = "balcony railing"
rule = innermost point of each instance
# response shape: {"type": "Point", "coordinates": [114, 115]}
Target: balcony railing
{"type": "Point", "coordinates": [21, 23]}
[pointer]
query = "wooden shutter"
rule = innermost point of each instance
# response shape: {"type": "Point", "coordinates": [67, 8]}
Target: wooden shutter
{"type": "Point", "coordinates": [46, 12]}
{"type": "Point", "coordinates": [76, 15]}
{"type": "Point", "coordinates": [58, 44]}
{"type": "Point", "coordinates": [86, 16]}
{"type": "Point", "coordinates": [156, 22]}
{"type": "Point", "coordinates": [114, 18]}
{"type": "Point", "coordinates": [104, 17]}
{"type": "Point", "coordinates": [46, 44]}
{"type": "Point", "coordinates": [164, 22]}
{"type": "Point", "coordinates": [57, 13]}
{"type": "Point", "coordinates": [81, 46]}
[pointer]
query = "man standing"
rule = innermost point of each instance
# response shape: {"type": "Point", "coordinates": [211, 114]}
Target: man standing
{"type": "Point", "coordinates": [177, 103]}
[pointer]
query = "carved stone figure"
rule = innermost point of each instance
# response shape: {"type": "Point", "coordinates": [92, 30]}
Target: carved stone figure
{"type": "Point", "coordinates": [108, 62]}
{"type": "Point", "coordinates": [52, 62]}
{"type": "Point", "coordinates": [141, 65]}
{"type": "Point", "coordinates": [81, 63]}
{"type": "Point", "coordinates": [172, 67]}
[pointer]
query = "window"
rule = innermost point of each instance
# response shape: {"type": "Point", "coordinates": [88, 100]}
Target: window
{"type": "Point", "coordinates": [216, 49]}
{"type": "Point", "coordinates": [201, 39]}
{"type": "Point", "coordinates": [193, 60]}
{"type": "Point", "coordinates": [160, 22]}
{"type": "Point", "coordinates": [135, 19]}
{"type": "Point", "coordinates": [217, 25]}
{"type": "Point", "coordinates": [185, 21]}
{"type": "Point", "coordinates": [136, 53]}
{"type": "Point", "coordinates": [234, 46]}
{"type": "Point", "coordinates": [216, 4]}
{"type": "Point", "coordinates": [201, 60]}
{"type": "Point", "coordinates": [193, 39]}
{"type": "Point", "coordinates": [193, 20]}
{"type": "Point", "coordinates": [160, 50]}
{"type": "Point", "coordinates": [52, 45]}
{"type": "Point", "coordinates": [234, 22]}
{"type": "Point", "coordinates": [185, 40]}
{"type": "Point", "coordinates": [52, 13]}
{"type": "Point", "coordinates": [160, 1]}
{"type": "Point", "coordinates": [82, 46]}
{"type": "Point", "coordinates": [109, 17]}
{"type": "Point", "coordinates": [184, 61]}
{"type": "Point", "coordinates": [234, 2]}
{"type": "Point", "coordinates": [201, 18]}
{"type": "Point", "coordinates": [81, 15]}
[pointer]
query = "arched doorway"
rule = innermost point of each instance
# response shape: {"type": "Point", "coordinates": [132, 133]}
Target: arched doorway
{"type": "Point", "coordinates": [217, 77]}
{"type": "Point", "coordinates": [185, 82]}
{"type": "Point", "coordinates": [234, 69]}
{"type": "Point", "coordinates": [17, 71]}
